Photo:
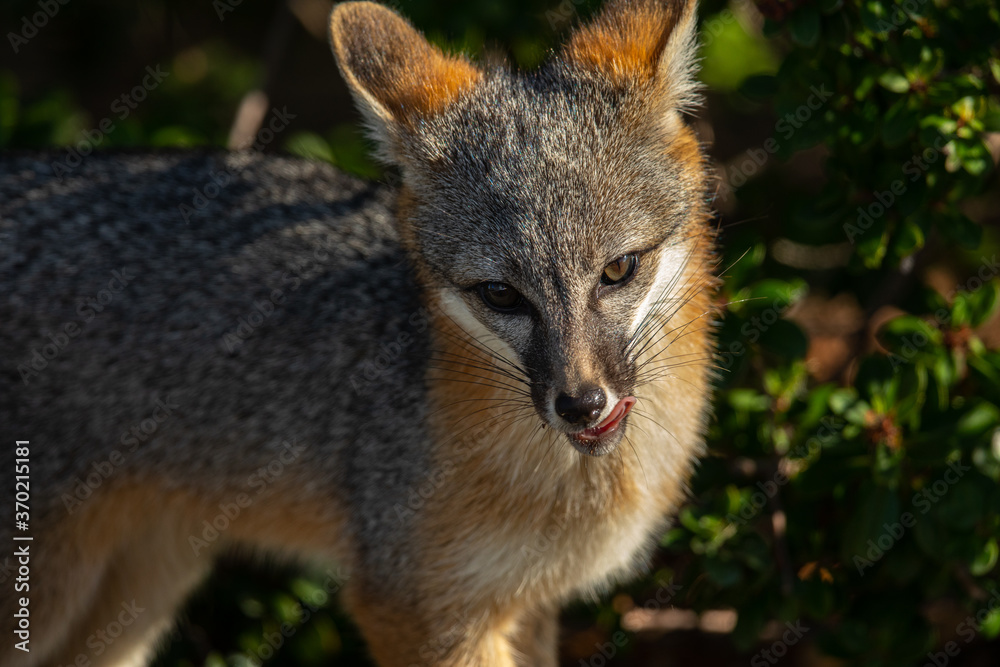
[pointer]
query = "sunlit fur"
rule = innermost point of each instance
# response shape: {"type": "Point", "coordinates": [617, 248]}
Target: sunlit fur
{"type": "Point", "coordinates": [532, 179]}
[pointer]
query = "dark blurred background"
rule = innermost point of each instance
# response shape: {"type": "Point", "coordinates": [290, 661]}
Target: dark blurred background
{"type": "Point", "coordinates": [98, 75]}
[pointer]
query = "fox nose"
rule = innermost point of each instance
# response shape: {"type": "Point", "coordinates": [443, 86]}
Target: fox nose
{"type": "Point", "coordinates": [583, 408]}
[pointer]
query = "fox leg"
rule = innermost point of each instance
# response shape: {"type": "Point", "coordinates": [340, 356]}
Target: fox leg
{"type": "Point", "coordinates": [64, 579]}
{"type": "Point", "coordinates": [105, 580]}
{"type": "Point", "coordinates": [536, 639]}
{"type": "Point", "coordinates": [144, 584]}
{"type": "Point", "coordinates": [399, 635]}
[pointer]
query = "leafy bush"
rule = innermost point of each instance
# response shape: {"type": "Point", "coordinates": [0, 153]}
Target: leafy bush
{"type": "Point", "coordinates": [865, 495]}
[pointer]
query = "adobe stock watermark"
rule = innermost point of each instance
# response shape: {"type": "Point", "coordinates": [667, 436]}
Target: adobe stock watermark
{"type": "Point", "coordinates": [792, 635]}
{"type": "Point", "coordinates": [102, 638]}
{"type": "Point", "coordinates": [213, 528]}
{"type": "Point", "coordinates": [223, 7]}
{"type": "Point", "coordinates": [59, 339]}
{"type": "Point", "coordinates": [433, 650]}
{"type": "Point", "coordinates": [389, 352]}
{"type": "Point", "coordinates": [967, 630]}
{"type": "Point", "coordinates": [474, 440]}
{"type": "Point", "coordinates": [914, 342]}
{"type": "Point", "coordinates": [756, 327]}
{"type": "Point", "coordinates": [899, 15]}
{"type": "Point", "coordinates": [737, 173]}
{"type": "Point", "coordinates": [988, 269]}
{"type": "Point", "coordinates": [714, 26]}
{"type": "Point", "coordinates": [543, 540]}
{"type": "Point", "coordinates": [923, 501]}
{"type": "Point", "coordinates": [30, 25]}
{"type": "Point", "coordinates": [263, 309]}
{"type": "Point", "coordinates": [220, 180]}
{"type": "Point", "coordinates": [563, 14]}
{"type": "Point", "coordinates": [666, 592]}
{"type": "Point", "coordinates": [916, 166]}
{"type": "Point", "coordinates": [101, 471]}
{"type": "Point", "coordinates": [121, 108]}
{"type": "Point", "coordinates": [274, 640]}
{"type": "Point", "coordinates": [829, 429]}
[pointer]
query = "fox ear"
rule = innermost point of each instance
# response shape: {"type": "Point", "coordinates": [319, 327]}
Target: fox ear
{"type": "Point", "coordinates": [641, 41]}
{"type": "Point", "coordinates": [395, 75]}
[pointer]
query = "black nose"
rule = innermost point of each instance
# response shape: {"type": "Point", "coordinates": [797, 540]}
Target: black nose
{"type": "Point", "coordinates": [583, 408]}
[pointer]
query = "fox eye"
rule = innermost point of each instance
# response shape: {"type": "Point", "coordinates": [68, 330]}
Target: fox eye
{"type": "Point", "coordinates": [620, 270]}
{"type": "Point", "coordinates": [500, 296]}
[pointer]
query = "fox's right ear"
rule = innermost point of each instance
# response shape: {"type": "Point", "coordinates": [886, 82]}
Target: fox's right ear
{"type": "Point", "coordinates": [395, 75]}
{"type": "Point", "coordinates": [641, 42]}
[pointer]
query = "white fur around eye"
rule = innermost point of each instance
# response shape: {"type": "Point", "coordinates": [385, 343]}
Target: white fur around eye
{"type": "Point", "coordinates": [666, 285]}
{"type": "Point", "coordinates": [456, 308]}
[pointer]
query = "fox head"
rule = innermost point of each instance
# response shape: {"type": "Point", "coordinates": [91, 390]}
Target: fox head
{"type": "Point", "coordinates": [557, 217]}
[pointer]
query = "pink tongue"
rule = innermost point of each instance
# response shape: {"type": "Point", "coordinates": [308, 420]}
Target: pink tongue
{"type": "Point", "coordinates": [612, 420]}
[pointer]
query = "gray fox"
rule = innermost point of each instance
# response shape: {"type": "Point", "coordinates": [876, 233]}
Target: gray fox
{"type": "Point", "coordinates": [480, 393]}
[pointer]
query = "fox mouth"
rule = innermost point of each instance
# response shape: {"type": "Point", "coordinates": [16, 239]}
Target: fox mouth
{"type": "Point", "coordinates": [601, 439]}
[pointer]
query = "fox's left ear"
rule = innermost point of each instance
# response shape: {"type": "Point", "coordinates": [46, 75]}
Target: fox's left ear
{"type": "Point", "coordinates": [642, 42]}
{"type": "Point", "coordinates": [396, 76]}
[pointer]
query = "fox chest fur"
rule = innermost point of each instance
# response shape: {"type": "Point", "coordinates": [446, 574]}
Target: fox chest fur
{"type": "Point", "coordinates": [516, 514]}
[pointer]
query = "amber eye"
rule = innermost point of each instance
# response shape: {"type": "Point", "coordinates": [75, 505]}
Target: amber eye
{"type": "Point", "coordinates": [620, 270]}
{"type": "Point", "coordinates": [500, 296]}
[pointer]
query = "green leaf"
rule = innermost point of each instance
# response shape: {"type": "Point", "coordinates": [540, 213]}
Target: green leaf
{"type": "Point", "coordinates": [909, 336]}
{"type": "Point", "coordinates": [981, 418]}
{"type": "Point", "coordinates": [990, 628]}
{"type": "Point", "coordinates": [894, 81]}
{"type": "Point", "coordinates": [908, 239]}
{"type": "Point", "coordinates": [988, 364]}
{"type": "Point", "coordinates": [943, 124]}
{"type": "Point", "coordinates": [310, 146]}
{"type": "Point", "coordinates": [874, 17]}
{"type": "Point", "coordinates": [176, 135]}
{"type": "Point", "coordinates": [770, 295]}
{"type": "Point", "coordinates": [873, 243]}
{"type": "Point", "coordinates": [749, 400]}
{"type": "Point", "coordinates": [982, 304]}
{"type": "Point", "coordinates": [986, 560]}
{"type": "Point", "coordinates": [878, 378]}
{"type": "Point", "coordinates": [841, 399]}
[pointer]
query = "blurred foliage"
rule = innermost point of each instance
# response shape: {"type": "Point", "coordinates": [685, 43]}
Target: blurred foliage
{"type": "Point", "coordinates": [858, 501]}
{"type": "Point", "coordinates": [859, 504]}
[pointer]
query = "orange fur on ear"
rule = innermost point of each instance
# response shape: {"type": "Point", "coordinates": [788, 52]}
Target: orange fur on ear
{"type": "Point", "coordinates": [395, 73]}
{"type": "Point", "coordinates": [632, 41]}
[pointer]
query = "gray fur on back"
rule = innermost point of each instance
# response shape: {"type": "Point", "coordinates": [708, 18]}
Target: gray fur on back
{"type": "Point", "coordinates": [306, 374]}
